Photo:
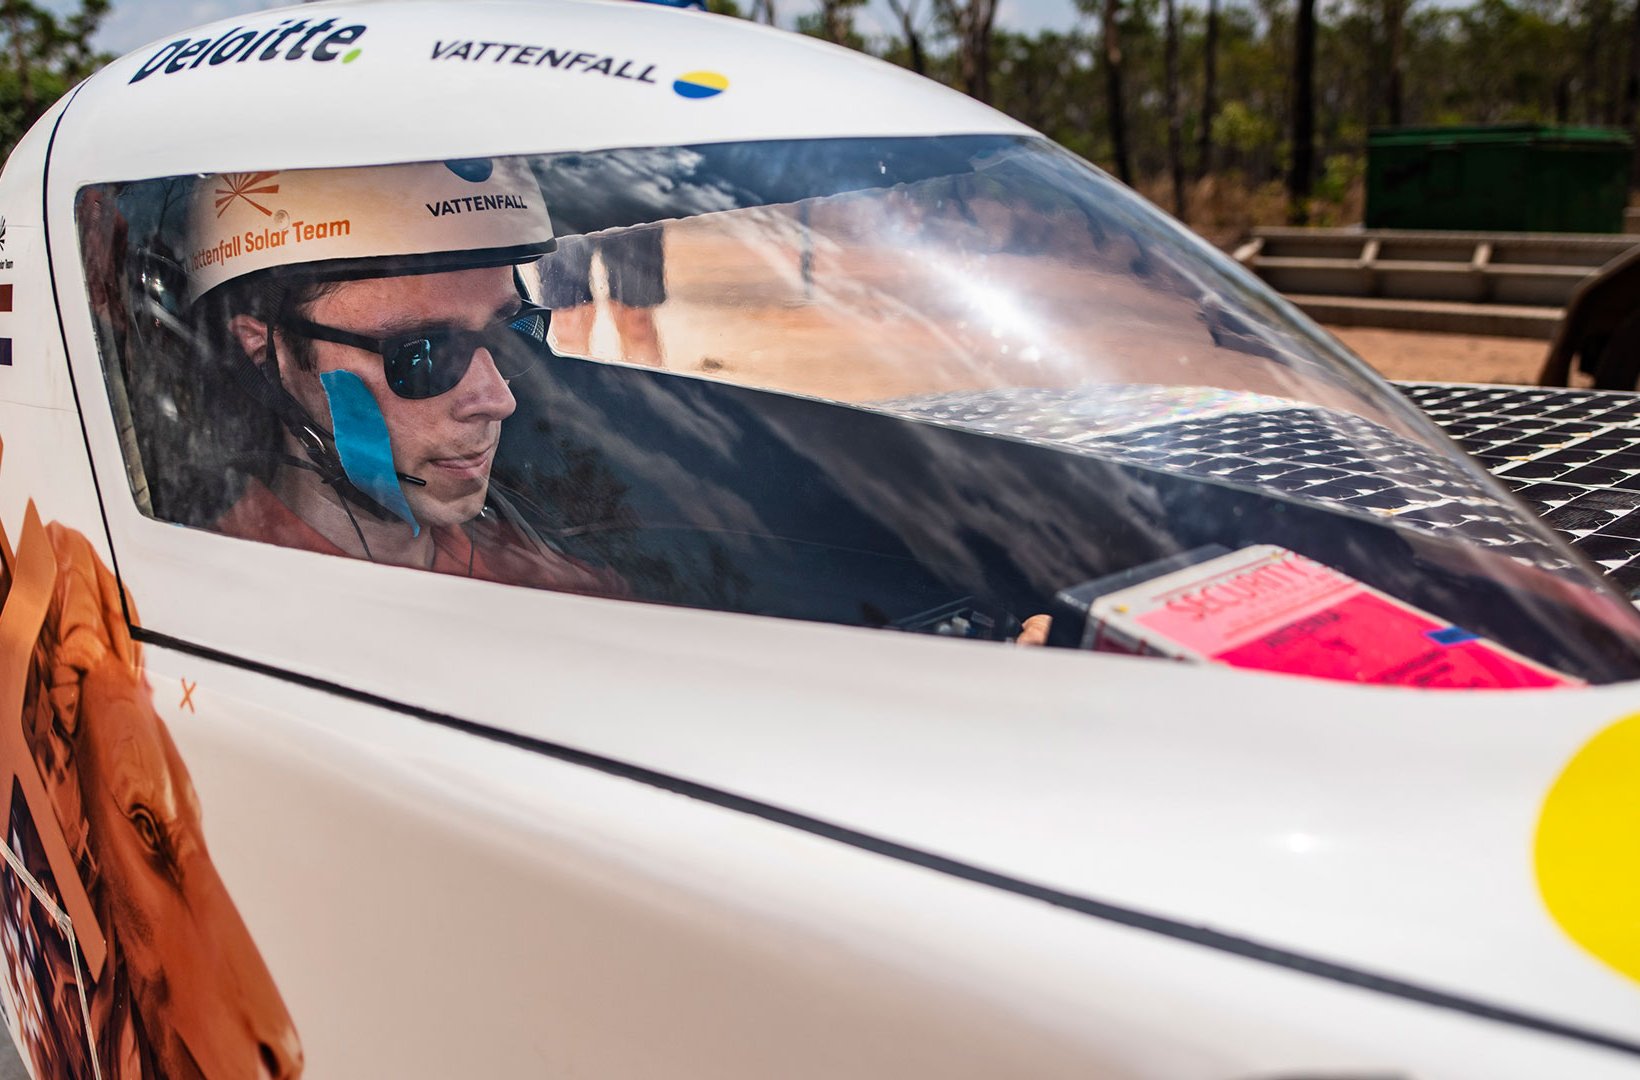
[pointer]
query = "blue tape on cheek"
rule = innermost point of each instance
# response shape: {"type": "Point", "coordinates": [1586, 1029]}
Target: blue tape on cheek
{"type": "Point", "coordinates": [362, 442]}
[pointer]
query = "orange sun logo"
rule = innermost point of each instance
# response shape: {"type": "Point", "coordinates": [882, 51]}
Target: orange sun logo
{"type": "Point", "coordinates": [243, 186]}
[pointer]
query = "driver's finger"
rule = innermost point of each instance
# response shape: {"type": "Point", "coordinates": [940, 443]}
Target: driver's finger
{"type": "Point", "coordinates": [1035, 630]}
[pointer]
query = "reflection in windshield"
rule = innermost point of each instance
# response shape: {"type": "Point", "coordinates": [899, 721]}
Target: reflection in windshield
{"type": "Point", "coordinates": [1016, 292]}
{"type": "Point", "coordinates": [995, 276]}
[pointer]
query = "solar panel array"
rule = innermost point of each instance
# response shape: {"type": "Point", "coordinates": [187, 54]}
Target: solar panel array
{"type": "Point", "coordinates": [1572, 455]}
{"type": "Point", "coordinates": [1314, 454]}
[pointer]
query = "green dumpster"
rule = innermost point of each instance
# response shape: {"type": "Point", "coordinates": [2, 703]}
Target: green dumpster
{"type": "Point", "coordinates": [1506, 177]}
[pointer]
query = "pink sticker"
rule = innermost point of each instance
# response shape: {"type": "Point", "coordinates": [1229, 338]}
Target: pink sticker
{"type": "Point", "coordinates": [1371, 639]}
{"type": "Point", "coordinates": [1230, 608]}
{"type": "Point", "coordinates": [1292, 614]}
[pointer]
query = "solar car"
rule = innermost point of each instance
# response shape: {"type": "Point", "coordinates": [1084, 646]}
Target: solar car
{"type": "Point", "coordinates": [578, 539]}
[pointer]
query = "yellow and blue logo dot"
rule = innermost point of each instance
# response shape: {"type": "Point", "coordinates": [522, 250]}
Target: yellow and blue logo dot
{"type": "Point", "coordinates": [700, 84]}
{"type": "Point", "coordinates": [1588, 847]}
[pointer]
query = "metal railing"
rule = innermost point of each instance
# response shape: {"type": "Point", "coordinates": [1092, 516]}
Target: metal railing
{"type": "Point", "coordinates": [1510, 284]}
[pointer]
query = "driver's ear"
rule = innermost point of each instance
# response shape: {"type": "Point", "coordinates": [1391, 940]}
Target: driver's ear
{"type": "Point", "coordinates": [261, 342]}
{"type": "Point", "coordinates": [252, 334]}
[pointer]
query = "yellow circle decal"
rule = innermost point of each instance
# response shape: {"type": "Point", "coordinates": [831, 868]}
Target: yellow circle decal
{"type": "Point", "coordinates": [1588, 847]}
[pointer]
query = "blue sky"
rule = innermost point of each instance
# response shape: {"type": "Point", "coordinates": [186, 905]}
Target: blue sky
{"type": "Point", "coordinates": [136, 22]}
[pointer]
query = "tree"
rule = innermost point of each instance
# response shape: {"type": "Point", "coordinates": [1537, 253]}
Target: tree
{"type": "Point", "coordinates": [45, 55]}
{"type": "Point", "coordinates": [1049, 81]}
{"type": "Point", "coordinates": [971, 23]}
{"type": "Point", "coordinates": [1175, 129]}
{"type": "Point", "coordinates": [1113, 91]}
{"type": "Point", "coordinates": [1395, 17]}
{"type": "Point", "coordinates": [1302, 172]}
{"type": "Point", "coordinates": [906, 12]}
{"type": "Point", "coordinates": [1210, 61]}
{"type": "Point", "coordinates": [834, 22]}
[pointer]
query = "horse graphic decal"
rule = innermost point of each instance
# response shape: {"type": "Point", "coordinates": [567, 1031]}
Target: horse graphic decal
{"type": "Point", "coordinates": [125, 956]}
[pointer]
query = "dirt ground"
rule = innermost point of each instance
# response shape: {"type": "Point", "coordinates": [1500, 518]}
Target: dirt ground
{"type": "Point", "coordinates": [1398, 354]}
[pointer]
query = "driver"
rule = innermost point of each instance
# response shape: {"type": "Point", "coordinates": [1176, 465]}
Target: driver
{"type": "Point", "coordinates": [377, 316]}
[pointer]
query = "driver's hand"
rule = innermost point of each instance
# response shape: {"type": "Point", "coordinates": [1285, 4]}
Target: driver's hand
{"type": "Point", "coordinates": [1034, 631]}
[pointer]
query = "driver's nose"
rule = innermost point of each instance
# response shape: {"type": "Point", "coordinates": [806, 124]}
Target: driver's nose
{"type": "Point", "coordinates": [482, 394]}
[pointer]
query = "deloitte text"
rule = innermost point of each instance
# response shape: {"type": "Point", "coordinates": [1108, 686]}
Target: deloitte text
{"type": "Point", "coordinates": [322, 41]}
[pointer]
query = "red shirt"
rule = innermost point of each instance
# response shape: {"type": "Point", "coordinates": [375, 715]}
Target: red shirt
{"type": "Point", "coordinates": [485, 548]}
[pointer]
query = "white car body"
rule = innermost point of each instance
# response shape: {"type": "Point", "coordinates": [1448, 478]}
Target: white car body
{"type": "Point", "coordinates": [592, 837]}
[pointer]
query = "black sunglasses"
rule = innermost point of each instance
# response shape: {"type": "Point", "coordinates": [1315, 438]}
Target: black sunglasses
{"type": "Point", "coordinates": [432, 362]}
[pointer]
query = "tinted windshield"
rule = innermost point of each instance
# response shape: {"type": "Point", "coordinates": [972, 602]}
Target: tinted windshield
{"type": "Point", "coordinates": [939, 385]}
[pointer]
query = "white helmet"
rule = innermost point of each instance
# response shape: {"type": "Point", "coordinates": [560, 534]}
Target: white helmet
{"type": "Point", "coordinates": [363, 221]}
